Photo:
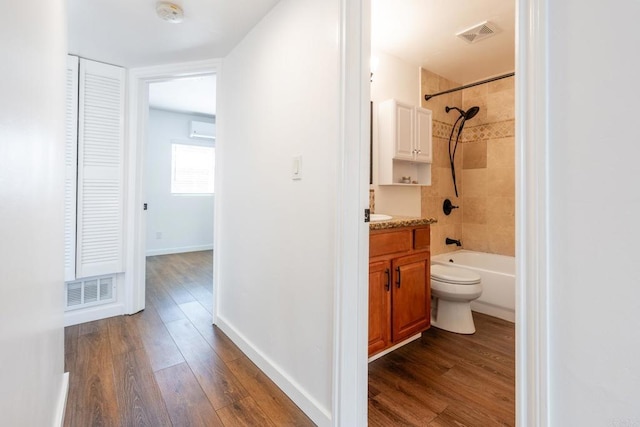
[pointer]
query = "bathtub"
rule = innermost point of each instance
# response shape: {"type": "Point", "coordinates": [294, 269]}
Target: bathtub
{"type": "Point", "coordinates": [498, 278]}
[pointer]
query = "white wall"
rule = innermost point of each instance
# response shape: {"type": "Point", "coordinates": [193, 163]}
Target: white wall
{"type": "Point", "coordinates": [31, 212]}
{"type": "Point", "coordinates": [594, 211]}
{"type": "Point", "coordinates": [185, 222]}
{"type": "Point", "coordinates": [397, 79]}
{"type": "Point", "coordinates": [279, 98]}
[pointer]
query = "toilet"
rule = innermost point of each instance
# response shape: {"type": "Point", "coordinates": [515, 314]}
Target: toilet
{"type": "Point", "coordinates": [452, 290]}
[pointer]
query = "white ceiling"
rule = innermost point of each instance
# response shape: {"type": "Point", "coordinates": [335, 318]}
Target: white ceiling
{"type": "Point", "coordinates": [185, 95]}
{"type": "Point", "coordinates": [422, 32]}
{"type": "Point", "coordinates": [129, 33]}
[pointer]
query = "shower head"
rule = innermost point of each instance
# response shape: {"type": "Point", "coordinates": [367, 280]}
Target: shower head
{"type": "Point", "coordinates": [462, 118]}
{"type": "Point", "coordinates": [468, 115]}
{"type": "Point", "coordinates": [471, 113]}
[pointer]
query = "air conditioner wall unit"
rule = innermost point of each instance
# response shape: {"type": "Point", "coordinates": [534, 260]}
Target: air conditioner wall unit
{"type": "Point", "coordinates": [202, 130]}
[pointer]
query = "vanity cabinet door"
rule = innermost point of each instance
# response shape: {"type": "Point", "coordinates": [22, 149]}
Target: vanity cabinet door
{"type": "Point", "coordinates": [411, 295]}
{"type": "Point", "coordinates": [379, 305]}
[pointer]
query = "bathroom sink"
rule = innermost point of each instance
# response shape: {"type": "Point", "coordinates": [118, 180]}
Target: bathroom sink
{"type": "Point", "coordinates": [379, 217]}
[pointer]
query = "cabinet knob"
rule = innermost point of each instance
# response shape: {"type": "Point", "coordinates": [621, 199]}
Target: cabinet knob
{"type": "Point", "coordinates": [399, 279]}
{"type": "Point", "coordinates": [387, 286]}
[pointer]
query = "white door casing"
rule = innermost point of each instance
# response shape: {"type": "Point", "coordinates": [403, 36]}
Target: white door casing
{"type": "Point", "coordinates": [138, 103]}
{"type": "Point", "coordinates": [532, 177]}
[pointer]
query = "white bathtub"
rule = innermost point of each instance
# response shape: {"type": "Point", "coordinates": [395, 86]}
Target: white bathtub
{"type": "Point", "coordinates": [498, 278]}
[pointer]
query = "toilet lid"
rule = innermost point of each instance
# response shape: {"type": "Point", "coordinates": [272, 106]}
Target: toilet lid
{"type": "Point", "coordinates": [456, 275]}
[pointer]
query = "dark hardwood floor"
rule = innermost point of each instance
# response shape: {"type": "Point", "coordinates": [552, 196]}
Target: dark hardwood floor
{"type": "Point", "coordinates": [447, 379]}
{"type": "Point", "coordinates": [169, 366]}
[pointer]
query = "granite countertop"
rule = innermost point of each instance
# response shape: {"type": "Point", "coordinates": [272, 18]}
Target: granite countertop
{"type": "Point", "coordinates": [401, 221]}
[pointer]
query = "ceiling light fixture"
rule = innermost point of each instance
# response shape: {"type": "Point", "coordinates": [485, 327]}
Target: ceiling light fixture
{"type": "Point", "coordinates": [169, 12]}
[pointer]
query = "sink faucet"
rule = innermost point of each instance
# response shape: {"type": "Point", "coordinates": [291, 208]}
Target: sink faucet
{"type": "Point", "coordinates": [450, 241]}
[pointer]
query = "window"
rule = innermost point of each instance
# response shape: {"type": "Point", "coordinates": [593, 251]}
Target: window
{"type": "Point", "coordinates": [192, 169]}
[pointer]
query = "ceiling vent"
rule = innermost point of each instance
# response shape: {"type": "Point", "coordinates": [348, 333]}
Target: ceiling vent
{"type": "Point", "coordinates": [478, 32]}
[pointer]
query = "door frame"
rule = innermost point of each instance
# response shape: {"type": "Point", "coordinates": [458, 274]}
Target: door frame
{"type": "Point", "coordinates": [532, 178]}
{"type": "Point", "coordinates": [532, 194]}
{"type": "Point", "coordinates": [135, 220]}
{"type": "Point", "coordinates": [351, 295]}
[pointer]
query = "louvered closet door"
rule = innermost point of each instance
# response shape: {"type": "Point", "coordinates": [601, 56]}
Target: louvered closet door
{"type": "Point", "coordinates": [71, 168]}
{"type": "Point", "coordinates": [100, 169]}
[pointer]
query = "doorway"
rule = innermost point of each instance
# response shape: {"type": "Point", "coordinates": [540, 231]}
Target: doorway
{"type": "Point", "coordinates": [141, 80]}
{"type": "Point", "coordinates": [394, 87]}
{"type": "Point", "coordinates": [179, 165]}
{"type": "Point", "coordinates": [179, 176]}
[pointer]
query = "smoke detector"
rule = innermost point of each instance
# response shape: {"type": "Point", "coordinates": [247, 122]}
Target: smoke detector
{"type": "Point", "coordinates": [478, 32]}
{"type": "Point", "coordinates": [169, 12]}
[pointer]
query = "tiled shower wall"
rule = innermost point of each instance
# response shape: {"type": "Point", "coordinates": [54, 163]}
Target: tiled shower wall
{"type": "Point", "coordinates": [485, 167]}
{"type": "Point", "coordinates": [441, 188]}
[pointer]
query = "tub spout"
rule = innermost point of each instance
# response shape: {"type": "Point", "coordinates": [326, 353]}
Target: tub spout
{"type": "Point", "coordinates": [450, 241]}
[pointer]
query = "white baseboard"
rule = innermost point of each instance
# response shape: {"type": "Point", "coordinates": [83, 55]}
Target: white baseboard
{"type": "Point", "coordinates": [179, 250]}
{"type": "Point", "coordinates": [62, 401]}
{"type": "Point", "coordinates": [390, 349]}
{"type": "Point", "coordinates": [319, 415]}
{"type": "Point", "coordinates": [98, 312]}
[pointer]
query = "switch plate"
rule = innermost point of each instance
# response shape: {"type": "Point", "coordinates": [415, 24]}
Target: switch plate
{"type": "Point", "coordinates": [158, 234]}
{"type": "Point", "coordinates": [296, 168]}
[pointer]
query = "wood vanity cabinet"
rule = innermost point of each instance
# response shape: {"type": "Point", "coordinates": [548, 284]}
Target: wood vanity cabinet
{"type": "Point", "coordinates": [399, 285]}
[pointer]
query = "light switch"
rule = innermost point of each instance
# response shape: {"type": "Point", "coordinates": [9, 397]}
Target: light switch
{"type": "Point", "coordinates": [296, 168]}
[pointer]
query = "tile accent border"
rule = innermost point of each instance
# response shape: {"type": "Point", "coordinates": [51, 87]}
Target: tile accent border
{"type": "Point", "coordinates": [483, 132]}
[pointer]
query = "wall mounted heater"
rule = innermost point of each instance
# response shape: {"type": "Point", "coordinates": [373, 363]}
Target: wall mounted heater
{"type": "Point", "coordinates": [202, 130]}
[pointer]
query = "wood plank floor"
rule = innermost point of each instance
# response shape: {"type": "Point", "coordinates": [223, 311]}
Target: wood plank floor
{"type": "Point", "coordinates": [169, 366]}
{"type": "Point", "coordinates": [447, 379]}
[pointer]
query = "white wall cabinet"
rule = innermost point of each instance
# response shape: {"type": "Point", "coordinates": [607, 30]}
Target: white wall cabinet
{"type": "Point", "coordinates": [404, 144]}
{"type": "Point", "coordinates": [94, 190]}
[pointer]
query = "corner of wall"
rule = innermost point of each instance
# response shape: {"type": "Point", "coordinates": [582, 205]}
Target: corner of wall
{"type": "Point", "coordinates": [314, 410]}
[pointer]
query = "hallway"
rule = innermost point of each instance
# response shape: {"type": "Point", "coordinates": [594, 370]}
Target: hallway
{"type": "Point", "coordinates": [168, 365]}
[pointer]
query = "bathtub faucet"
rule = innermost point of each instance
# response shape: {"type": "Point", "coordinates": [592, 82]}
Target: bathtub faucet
{"type": "Point", "coordinates": [450, 241]}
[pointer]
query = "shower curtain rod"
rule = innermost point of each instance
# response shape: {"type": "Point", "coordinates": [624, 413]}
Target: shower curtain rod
{"type": "Point", "coordinates": [504, 76]}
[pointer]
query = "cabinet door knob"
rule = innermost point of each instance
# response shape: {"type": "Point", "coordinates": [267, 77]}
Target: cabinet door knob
{"type": "Point", "coordinates": [387, 286]}
{"type": "Point", "coordinates": [399, 279]}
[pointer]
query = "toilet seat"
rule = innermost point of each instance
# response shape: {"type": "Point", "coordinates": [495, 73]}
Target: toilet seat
{"type": "Point", "coordinates": [454, 275]}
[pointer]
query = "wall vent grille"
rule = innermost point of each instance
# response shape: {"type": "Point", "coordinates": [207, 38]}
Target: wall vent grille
{"type": "Point", "coordinates": [90, 292]}
{"type": "Point", "coordinates": [478, 32]}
